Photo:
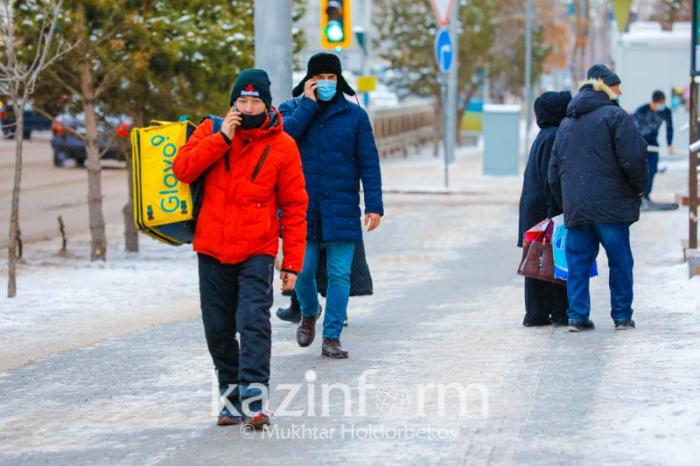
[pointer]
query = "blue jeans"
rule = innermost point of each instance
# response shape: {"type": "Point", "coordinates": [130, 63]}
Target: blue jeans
{"type": "Point", "coordinates": [582, 244]}
{"type": "Point", "coordinates": [339, 255]}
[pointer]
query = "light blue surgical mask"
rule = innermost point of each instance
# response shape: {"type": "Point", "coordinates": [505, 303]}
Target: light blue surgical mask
{"type": "Point", "coordinates": [660, 108]}
{"type": "Point", "coordinates": [326, 89]}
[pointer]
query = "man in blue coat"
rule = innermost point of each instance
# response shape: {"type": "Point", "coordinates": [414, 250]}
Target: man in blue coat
{"type": "Point", "coordinates": [597, 173]}
{"type": "Point", "coordinates": [649, 118]}
{"type": "Point", "coordinates": [338, 151]}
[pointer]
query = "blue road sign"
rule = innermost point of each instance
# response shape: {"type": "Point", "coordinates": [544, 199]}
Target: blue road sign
{"type": "Point", "coordinates": [443, 50]}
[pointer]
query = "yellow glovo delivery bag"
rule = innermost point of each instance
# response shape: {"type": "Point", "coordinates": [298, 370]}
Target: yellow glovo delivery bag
{"type": "Point", "coordinates": [163, 206]}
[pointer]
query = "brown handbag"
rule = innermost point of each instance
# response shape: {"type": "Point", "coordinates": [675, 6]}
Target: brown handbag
{"type": "Point", "coordinates": [538, 262]}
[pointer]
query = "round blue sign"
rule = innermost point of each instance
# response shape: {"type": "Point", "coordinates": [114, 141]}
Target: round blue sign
{"type": "Point", "coordinates": [443, 50]}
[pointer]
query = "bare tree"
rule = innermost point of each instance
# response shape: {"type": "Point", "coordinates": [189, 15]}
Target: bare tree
{"type": "Point", "coordinates": [20, 66]}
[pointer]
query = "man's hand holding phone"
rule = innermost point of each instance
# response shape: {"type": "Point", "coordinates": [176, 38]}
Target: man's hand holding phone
{"type": "Point", "coordinates": [310, 89]}
{"type": "Point", "coordinates": [231, 122]}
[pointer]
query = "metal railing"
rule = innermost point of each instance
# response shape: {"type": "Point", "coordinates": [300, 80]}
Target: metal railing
{"type": "Point", "coordinates": [396, 129]}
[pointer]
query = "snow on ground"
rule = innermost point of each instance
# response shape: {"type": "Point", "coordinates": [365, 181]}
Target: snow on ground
{"type": "Point", "coordinates": [65, 302]}
{"type": "Point", "coordinates": [440, 314]}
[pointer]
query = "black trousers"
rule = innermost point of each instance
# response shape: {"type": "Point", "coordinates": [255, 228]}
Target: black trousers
{"type": "Point", "coordinates": [544, 303]}
{"type": "Point", "coordinates": [236, 298]}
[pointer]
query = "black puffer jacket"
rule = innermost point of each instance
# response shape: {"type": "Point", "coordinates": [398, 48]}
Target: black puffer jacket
{"type": "Point", "coordinates": [536, 202]}
{"type": "Point", "coordinates": [599, 161]}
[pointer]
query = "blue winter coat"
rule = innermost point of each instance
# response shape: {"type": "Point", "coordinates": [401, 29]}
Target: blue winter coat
{"type": "Point", "coordinates": [337, 151]}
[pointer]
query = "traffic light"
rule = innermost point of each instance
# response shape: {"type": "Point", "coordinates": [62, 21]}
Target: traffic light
{"type": "Point", "coordinates": [335, 24]}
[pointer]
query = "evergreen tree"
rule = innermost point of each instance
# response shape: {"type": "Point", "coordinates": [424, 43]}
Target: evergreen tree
{"type": "Point", "coordinates": [406, 41]}
{"type": "Point", "coordinates": [491, 44]}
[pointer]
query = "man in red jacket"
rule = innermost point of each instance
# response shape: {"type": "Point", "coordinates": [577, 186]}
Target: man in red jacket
{"type": "Point", "coordinates": [252, 170]}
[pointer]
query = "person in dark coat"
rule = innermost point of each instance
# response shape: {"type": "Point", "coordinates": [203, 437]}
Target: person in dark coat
{"type": "Point", "coordinates": [598, 171]}
{"type": "Point", "coordinates": [649, 118]}
{"type": "Point", "coordinates": [545, 303]}
{"type": "Point", "coordinates": [338, 152]}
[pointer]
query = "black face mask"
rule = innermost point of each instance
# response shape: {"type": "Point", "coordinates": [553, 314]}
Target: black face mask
{"type": "Point", "coordinates": [252, 121]}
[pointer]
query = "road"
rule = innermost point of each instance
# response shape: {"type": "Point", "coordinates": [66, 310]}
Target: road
{"type": "Point", "coordinates": [447, 312]}
{"type": "Point", "coordinates": [48, 192]}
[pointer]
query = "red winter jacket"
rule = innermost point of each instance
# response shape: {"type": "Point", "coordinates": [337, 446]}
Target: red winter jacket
{"type": "Point", "coordinates": [238, 218]}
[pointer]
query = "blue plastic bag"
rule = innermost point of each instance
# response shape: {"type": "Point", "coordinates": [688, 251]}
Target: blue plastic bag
{"type": "Point", "coordinates": [561, 268]}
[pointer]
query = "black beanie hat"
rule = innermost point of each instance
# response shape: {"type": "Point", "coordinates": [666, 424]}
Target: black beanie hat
{"type": "Point", "coordinates": [254, 83]}
{"type": "Point", "coordinates": [324, 62]}
{"type": "Point", "coordinates": [604, 73]}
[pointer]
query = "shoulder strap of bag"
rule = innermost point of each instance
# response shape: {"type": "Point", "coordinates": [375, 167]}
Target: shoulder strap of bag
{"type": "Point", "coordinates": [216, 123]}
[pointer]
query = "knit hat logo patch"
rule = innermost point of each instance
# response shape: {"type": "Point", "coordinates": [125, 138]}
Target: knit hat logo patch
{"type": "Point", "coordinates": [250, 91]}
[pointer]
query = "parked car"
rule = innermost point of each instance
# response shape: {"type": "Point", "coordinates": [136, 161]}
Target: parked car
{"type": "Point", "coordinates": [68, 140]}
{"type": "Point", "coordinates": [33, 121]}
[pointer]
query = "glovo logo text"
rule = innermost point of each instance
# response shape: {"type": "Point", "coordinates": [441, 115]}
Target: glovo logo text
{"type": "Point", "coordinates": [169, 201]}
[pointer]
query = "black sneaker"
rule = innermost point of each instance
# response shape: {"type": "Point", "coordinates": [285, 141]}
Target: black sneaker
{"type": "Point", "coordinates": [624, 324]}
{"type": "Point", "coordinates": [581, 326]}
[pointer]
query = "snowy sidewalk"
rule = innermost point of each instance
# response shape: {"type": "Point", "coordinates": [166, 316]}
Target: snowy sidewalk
{"type": "Point", "coordinates": [447, 310]}
{"type": "Point", "coordinates": [66, 302]}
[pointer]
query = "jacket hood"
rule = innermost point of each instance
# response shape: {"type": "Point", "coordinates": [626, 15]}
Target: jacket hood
{"type": "Point", "coordinates": [592, 95]}
{"type": "Point", "coordinates": [272, 125]}
{"type": "Point", "coordinates": [550, 108]}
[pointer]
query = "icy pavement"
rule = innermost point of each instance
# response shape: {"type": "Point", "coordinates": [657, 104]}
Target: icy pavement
{"type": "Point", "coordinates": [446, 312]}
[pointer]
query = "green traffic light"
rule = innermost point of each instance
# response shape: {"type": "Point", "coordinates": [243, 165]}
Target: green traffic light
{"type": "Point", "coordinates": [334, 31]}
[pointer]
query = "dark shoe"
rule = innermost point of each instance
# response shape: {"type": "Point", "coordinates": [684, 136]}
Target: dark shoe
{"type": "Point", "coordinates": [529, 322]}
{"type": "Point", "coordinates": [257, 421]}
{"type": "Point", "coordinates": [289, 314]}
{"type": "Point", "coordinates": [333, 349]}
{"type": "Point", "coordinates": [624, 324]}
{"type": "Point", "coordinates": [581, 326]}
{"type": "Point", "coordinates": [306, 332]}
{"type": "Point", "coordinates": [293, 312]}
{"type": "Point", "coordinates": [226, 418]}
{"type": "Point", "coordinates": [649, 205]}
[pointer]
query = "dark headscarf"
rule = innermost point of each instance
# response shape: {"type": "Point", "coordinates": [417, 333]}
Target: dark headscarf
{"type": "Point", "coordinates": [550, 108]}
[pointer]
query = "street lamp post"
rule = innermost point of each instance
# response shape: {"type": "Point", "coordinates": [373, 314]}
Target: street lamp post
{"type": "Point", "coordinates": [273, 45]}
